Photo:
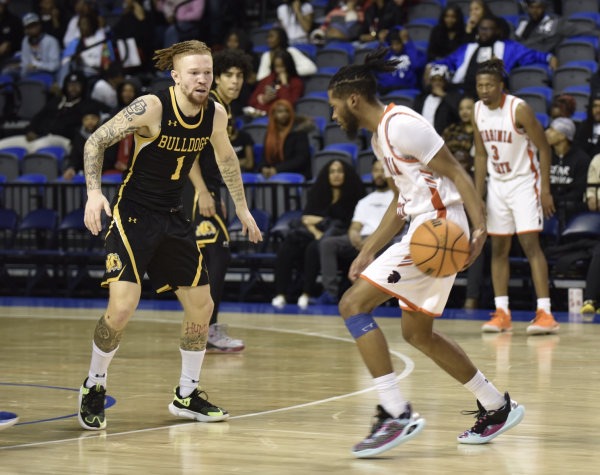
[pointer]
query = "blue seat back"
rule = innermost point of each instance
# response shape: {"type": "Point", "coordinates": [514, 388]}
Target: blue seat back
{"type": "Point", "coordinates": [39, 219]}
{"type": "Point", "coordinates": [347, 47]}
{"type": "Point", "coordinates": [425, 21]}
{"type": "Point", "coordinates": [283, 222]}
{"type": "Point", "coordinates": [45, 78]}
{"type": "Point", "coordinates": [582, 89]}
{"type": "Point", "coordinates": [591, 65]}
{"type": "Point", "coordinates": [58, 152]}
{"type": "Point", "coordinates": [543, 119]}
{"type": "Point", "coordinates": [258, 150]}
{"type": "Point", "coordinates": [320, 122]}
{"type": "Point", "coordinates": [593, 40]}
{"type": "Point", "coordinates": [261, 120]}
{"type": "Point", "coordinates": [2, 179]}
{"type": "Point", "coordinates": [113, 178]}
{"type": "Point", "coordinates": [251, 178]}
{"type": "Point", "coordinates": [551, 226]}
{"type": "Point", "coordinates": [20, 152]}
{"type": "Point", "coordinates": [583, 225]}
{"type": "Point", "coordinates": [36, 178]}
{"type": "Point", "coordinates": [367, 178]}
{"type": "Point", "coordinates": [287, 178]}
{"type": "Point", "coordinates": [8, 219]}
{"type": "Point", "coordinates": [545, 91]}
{"type": "Point", "coordinates": [350, 148]}
{"type": "Point", "coordinates": [74, 220]}
{"type": "Point", "coordinates": [310, 50]}
{"type": "Point", "coordinates": [261, 217]}
{"type": "Point", "coordinates": [595, 16]}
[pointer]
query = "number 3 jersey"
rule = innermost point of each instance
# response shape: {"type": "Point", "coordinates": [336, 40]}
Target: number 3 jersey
{"type": "Point", "coordinates": [405, 145]}
{"type": "Point", "coordinates": [159, 166]}
{"type": "Point", "coordinates": [510, 152]}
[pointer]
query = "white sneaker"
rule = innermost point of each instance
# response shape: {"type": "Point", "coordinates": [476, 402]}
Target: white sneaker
{"type": "Point", "coordinates": [220, 342]}
{"type": "Point", "coordinates": [278, 301]}
{"type": "Point", "coordinates": [303, 302]}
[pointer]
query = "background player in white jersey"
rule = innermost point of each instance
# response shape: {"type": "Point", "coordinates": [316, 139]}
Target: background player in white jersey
{"type": "Point", "coordinates": [507, 135]}
{"type": "Point", "coordinates": [431, 184]}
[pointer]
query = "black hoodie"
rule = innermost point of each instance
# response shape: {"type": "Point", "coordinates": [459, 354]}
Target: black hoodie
{"type": "Point", "coordinates": [568, 175]}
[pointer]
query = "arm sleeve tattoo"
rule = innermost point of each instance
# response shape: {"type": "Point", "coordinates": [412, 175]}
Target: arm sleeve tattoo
{"type": "Point", "coordinates": [232, 176]}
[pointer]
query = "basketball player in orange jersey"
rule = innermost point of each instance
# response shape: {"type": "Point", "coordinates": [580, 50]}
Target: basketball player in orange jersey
{"type": "Point", "coordinates": [507, 135]}
{"type": "Point", "coordinates": [148, 231]}
{"type": "Point", "coordinates": [430, 184]}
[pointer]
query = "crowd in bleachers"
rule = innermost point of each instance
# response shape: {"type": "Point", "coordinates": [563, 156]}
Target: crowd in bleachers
{"type": "Point", "coordinates": [69, 65]}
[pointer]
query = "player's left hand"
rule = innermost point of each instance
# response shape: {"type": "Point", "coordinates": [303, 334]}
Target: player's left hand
{"type": "Point", "coordinates": [478, 238]}
{"type": "Point", "coordinates": [248, 224]}
{"type": "Point", "coordinates": [547, 204]}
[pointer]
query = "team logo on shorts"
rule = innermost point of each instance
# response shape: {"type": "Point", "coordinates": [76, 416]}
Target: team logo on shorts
{"type": "Point", "coordinates": [113, 262]}
{"type": "Point", "coordinates": [394, 277]}
{"type": "Point", "coordinates": [206, 228]}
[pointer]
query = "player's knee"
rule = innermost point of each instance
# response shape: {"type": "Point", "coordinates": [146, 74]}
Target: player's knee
{"type": "Point", "coordinates": [531, 246]}
{"type": "Point", "coordinates": [119, 314]}
{"type": "Point", "coordinates": [416, 337]}
{"type": "Point", "coordinates": [350, 305]}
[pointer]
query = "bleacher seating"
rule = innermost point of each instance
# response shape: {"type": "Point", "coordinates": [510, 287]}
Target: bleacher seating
{"type": "Point", "coordinates": [425, 9]}
{"type": "Point", "coordinates": [504, 7]}
{"type": "Point", "coordinates": [577, 6]}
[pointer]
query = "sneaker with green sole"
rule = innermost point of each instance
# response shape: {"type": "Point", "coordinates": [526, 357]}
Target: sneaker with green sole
{"type": "Point", "coordinates": [91, 407]}
{"type": "Point", "coordinates": [196, 407]}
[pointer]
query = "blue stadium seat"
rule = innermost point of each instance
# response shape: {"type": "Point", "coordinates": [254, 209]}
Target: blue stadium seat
{"type": "Point", "coordinates": [572, 74]}
{"type": "Point", "coordinates": [347, 47]}
{"type": "Point", "coordinates": [421, 45]}
{"type": "Point", "coordinates": [584, 225]}
{"type": "Point", "coordinates": [39, 219]}
{"type": "Point", "coordinates": [537, 74]}
{"type": "Point", "coordinates": [367, 178]}
{"type": "Point", "coordinates": [504, 7]}
{"type": "Point", "coordinates": [314, 105]}
{"type": "Point", "coordinates": [543, 119]}
{"type": "Point", "coordinates": [584, 89]}
{"type": "Point", "coordinates": [538, 98]}
{"type": "Point", "coordinates": [424, 9]}
{"type": "Point", "coordinates": [419, 30]}
{"type": "Point", "coordinates": [318, 82]}
{"type": "Point", "coordinates": [261, 217]}
{"type": "Point", "coordinates": [36, 178]}
{"type": "Point", "coordinates": [512, 19]}
{"type": "Point", "coordinates": [319, 94]}
{"type": "Point", "coordinates": [252, 178]}
{"type": "Point", "coordinates": [424, 21]}
{"type": "Point", "coordinates": [239, 123]}
{"type": "Point", "coordinates": [112, 178]}
{"type": "Point", "coordinates": [349, 148]}
{"type": "Point", "coordinates": [261, 120]}
{"type": "Point", "coordinates": [8, 221]}
{"type": "Point", "coordinates": [581, 94]}
{"type": "Point", "coordinates": [45, 78]}
{"type": "Point", "coordinates": [579, 117]}
{"type": "Point", "coordinates": [327, 70]}
{"type": "Point", "coordinates": [591, 65]}
{"type": "Point", "coordinates": [78, 179]}
{"type": "Point", "coordinates": [58, 152]}
{"type": "Point", "coordinates": [20, 152]}
{"type": "Point", "coordinates": [260, 49]}
{"type": "Point", "coordinates": [320, 122]}
{"type": "Point", "coordinates": [551, 228]}
{"type": "Point", "coordinates": [593, 40]}
{"type": "Point", "coordinates": [575, 51]}
{"type": "Point", "coordinates": [282, 224]}
{"type": "Point", "coordinates": [309, 50]}
{"type": "Point", "coordinates": [575, 6]}
{"type": "Point", "coordinates": [2, 179]}
{"type": "Point", "coordinates": [335, 54]}
{"type": "Point", "coordinates": [287, 178]}
{"type": "Point", "coordinates": [257, 131]}
{"type": "Point", "coordinates": [258, 149]}
{"type": "Point", "coordinates": [594, 16]}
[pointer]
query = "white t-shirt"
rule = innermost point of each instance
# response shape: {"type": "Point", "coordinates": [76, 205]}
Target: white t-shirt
{"type": "Point", "coordinates": [430, 107]}
{"type": "Point", "coordinates": [290, 23]}
{"type": "Point", "coordinates": [370, 211]}
{"type": "Point", "coordinates": [104, 92]}
{"type": "Point", "coordinates": [304, 66]}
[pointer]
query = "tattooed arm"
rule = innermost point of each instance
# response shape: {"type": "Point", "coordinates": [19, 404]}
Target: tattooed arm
{"type": "Point", "coordinates": [229, 165]}
{"type": "Point", "coordinates": [144, 115]}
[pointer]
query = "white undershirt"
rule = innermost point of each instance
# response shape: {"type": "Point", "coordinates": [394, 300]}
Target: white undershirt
{"type": "Point", "coordinates": [370, 210]}
{"type": "Point", "coordinates": [430, 108]}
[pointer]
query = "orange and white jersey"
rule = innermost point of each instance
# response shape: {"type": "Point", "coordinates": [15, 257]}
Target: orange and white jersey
{"type": "Point", "coordinates": [405, 143]}
{"type": "Point", "coordinates": [510, 151]}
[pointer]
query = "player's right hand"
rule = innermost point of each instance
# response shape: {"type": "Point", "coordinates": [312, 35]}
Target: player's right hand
{"type": "Point", "coordinates": [206, 203]}
{"type": "Point", "coordinates": [361, 262]}
{"type": "Point", "coordinates": [478, 238]}
{"type": "Point", "coordinates": [93, 211]}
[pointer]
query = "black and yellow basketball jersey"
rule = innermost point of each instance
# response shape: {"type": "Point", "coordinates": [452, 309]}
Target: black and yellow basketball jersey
{"type": "Point", "coordinates": [159, 166]}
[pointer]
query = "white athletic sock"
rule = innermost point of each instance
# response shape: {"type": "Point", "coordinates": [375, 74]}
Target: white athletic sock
{"type": "Point", "coordinates": [544, 304]}
{"type": "Point", "coordinates": [502, 302]}
{"type": "Point", "coordinates": [191, 362]}
{"type": "Point", "coordinates": [389, 394]}
{"type": "Point", "coordinates": [99, 366]}
{"type": "Point", "coordinates": [486, 392]}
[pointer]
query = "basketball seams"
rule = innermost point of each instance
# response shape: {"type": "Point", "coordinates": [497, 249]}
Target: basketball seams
{"type": "Point", "coordinates": [439, 247]}
{"type": "Point", "coordinates": [444, 254]}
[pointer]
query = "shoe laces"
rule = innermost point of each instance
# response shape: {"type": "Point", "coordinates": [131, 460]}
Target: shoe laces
{"type": "Point", "coordinates": [221, 331]}
{"type": "Point", "coordinates": [196, 395]}
{"type": "Point", "coordinates": [94, 400]}
{"type": "Point", "coordinates": [498, 314]}
{"type": "Point", "coordinates": [481, 414]}
{"type": "Point", "coordinates": [539, 315]}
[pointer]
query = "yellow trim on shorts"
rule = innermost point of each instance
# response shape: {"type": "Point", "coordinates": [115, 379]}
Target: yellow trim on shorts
{"type": "Point", "coordinates": [216, 216]}
{"type": "Point", "coordinates": [164, 289]}
{"type": "Point", "coordinates": [174, 103]}
{"type": "Point", "coordinates": [196, 195]}
{"type": "Point", "coordinates": [198, 272]}
{"type": "Point", "coordinates": [112, 279]}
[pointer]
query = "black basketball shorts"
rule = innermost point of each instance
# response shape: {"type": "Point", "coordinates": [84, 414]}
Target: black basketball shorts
{"type": "Point", "coordinates": [207, 230]}
{"type": "Point", "coordinates": [161, 243]}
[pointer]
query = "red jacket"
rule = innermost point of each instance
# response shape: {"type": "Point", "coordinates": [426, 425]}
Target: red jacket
{"type": "Point", "coordinates": [292, 92]}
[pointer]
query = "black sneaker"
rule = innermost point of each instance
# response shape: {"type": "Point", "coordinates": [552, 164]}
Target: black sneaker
{"type": "Point", "coordinates": [196, 407]}
{"type": "Point", "coordinates": [490, 424]}
{"type": "Point", "coordinates": [91, 407]}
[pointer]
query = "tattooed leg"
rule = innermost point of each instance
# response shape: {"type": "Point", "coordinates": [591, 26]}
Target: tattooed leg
{"type": "Point", "coordinates": [197, 310]}
{"type": "Point", "coordinates": [195, 336]}
{"type": "Point", "coordinates": [107, 338]}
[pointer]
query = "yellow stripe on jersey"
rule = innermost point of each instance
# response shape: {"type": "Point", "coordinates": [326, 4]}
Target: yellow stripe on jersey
{"type": "Point", "coordinates": [176, 110]}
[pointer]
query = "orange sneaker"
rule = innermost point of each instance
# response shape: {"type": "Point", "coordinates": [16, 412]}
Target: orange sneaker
{"type": "Point", "coordinates": [500, 322]}
{"type": "Point", "coordinates": [543, 323]}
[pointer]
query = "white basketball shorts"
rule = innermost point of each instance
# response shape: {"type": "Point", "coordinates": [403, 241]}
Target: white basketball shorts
{"type": "Point", "coordinates": [394, 271]}
{"type": "Point", "coordinates": [514, 206]}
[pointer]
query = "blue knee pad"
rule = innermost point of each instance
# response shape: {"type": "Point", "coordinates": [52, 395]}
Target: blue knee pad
{"type": "Point", "coordinates": [361, 324]}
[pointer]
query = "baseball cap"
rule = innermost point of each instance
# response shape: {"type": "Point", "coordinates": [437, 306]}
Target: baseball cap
{"type": "Point", "coordinates": [564, 126]}
{"type": "Point", "coordinates": [440, 70]}
{"type": "Point", "coordinates": [30, 18]}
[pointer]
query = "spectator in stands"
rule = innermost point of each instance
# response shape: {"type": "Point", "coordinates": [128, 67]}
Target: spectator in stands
{"type": "Point", "coordinates": [138, 24]}
{"type": "Point", "coordinates": [277, 40]}
{"type": "Point", "coordinates": [82, 8]}
{"type": "Point", "coordinates": [296, 18]}
{"type": "Point", "coordinates": [129, 90]}
{"type": "Point", "coordinates": [589, 130]}
{"type": "Point", "coordinates": [367, 216]}
{"type": "Point", "coordinates": [184, 21]}
{"type": "Point", "coordinates": [380, 17]}
{"type": "Point", "coordinates": [593, 178]}
{"type": "Point", "coordinates": [448, 34]}
{"type": "Point", "coordinates": [105, 90]}
{"type": "Point", "coordinates": [282, 83]}
{"type": "Point", "coordinates": [465, 61]}
{"type": "Point", "coordinates": [591, 293]}
{"type": "Point", "coordinates": [11, 32]}
{"type": "Point", "coordinates": [569, 169]}
{"type": "Point", "coordinates": [242, 146]}
{"type": "Point", "coordinates": [477, 10]}
{"type": "Point", "coordinates": [344, 22]}
{"type": "Point", "coordinates": [563, 106]}
{"type": "Point", "coordinates": [287, 148]}
{"type": "Point", "coordinates": [411, 59]}
{"type": "Point", "coordinates": [331, 203]}
{"type": "Point", "coordinates": [40, 52]}
{"type": "Point", "coordinates": [53, 20]}
{"type": "Point", "coordinates": [543, 32]}
{"type": "Point", "coordinates": [459, 136]}
{"type": "Point", "coordinates": [436, 104]}
{"type": "Point", "coordinates": [237, 38]}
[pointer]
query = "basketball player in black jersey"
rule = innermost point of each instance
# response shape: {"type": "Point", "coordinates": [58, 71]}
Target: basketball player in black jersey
{"type": "Point", "coordinates": [204, 206]}
{"type": "Point", "coordinates": [148, 231]}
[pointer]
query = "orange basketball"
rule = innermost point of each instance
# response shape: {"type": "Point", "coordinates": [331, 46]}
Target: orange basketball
{"type": "Point", "coordinates": [439, 248]}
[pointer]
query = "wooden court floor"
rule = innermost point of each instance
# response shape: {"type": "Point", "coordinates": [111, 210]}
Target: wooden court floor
{"type": "Point", "coordinates": [299, 397]}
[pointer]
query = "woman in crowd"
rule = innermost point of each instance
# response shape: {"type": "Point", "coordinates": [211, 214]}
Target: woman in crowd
{"type": "Point", "coordinates": [459, 136]}
{"type": "Point", "coordinates": [138, 24]}
{"type": "Point", "coordinates": [53, 20]}
{"type": "Point", "coordinates": [380, 17]}
{"type": "Point", "coordinates": [296, 18]}
{"type": "Point", "coordinates": [448, 34]}
{"type": "Point", "coordinates": [331, 203]}
{"type": "Point", "coordinates": [563, 106]}
{"type": "Point", "coordinates": [477, 10]}
{"type": "Point", "coordinates": [277, 40]}
{"type": "Point", "coordinates": [282, 83]}
{"type": "Point", "coordinates": [287, 148]}
{"type": "Point", "coordinates": [82, 8]}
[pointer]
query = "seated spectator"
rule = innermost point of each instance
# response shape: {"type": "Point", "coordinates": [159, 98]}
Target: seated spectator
{"type": "Point", "coordinates": [105, 90]}
{"type": "Point", "coordinates": [591, 293]}
{"type": "Point", "coordinates": [459, 136]}
{"type": "Point", "coordinates": [278, 41]}
{"type": "Point", "coordinates": [344, 22]}
{"type": "Point", "coordinates": [287, 148]}
{"type": "Point", "coordinates": [238, 39]}
{"type": "Point", "coordinates": [411, 59]}
{"type": "Point", "coordinates": [242, 146]}
{"type": "Point", "coordinates": [436, 104]}
{"type": "Point", "coordinates": [477, 10]}
{"type": "Point", "coordinates": [53, 20]}
{"type": "Point", "coordinates": [589, 130]}
{"type": "Point", "coordinates": [138, 24]}
{"type": "Point", "coordinates": [129, 90]}
{"type": "Point", "coordinates": [282, 83]}
{"type": "Point", "coordinates": [11, 32]}
{"type": "Point", "coordinates": [448, 34]}
{"type": "Point", "coordinates": [543, 32]}
{"type": "Point", "coordinates": [466, 60]}
{"type": "Point", "coordinates": [593, 178]}
{"type": "Point", "coordinates": [331, 203]}
{"type": "Point", "coordinates": [367, 216]}
{"type": "Point", "coordinates": [57, 122]}
{"type": "Point", "coordinates": [296, 18]}
{"type": "Point", "coordinates": [380, 17]}
{"type": "Point", "coordinates": [563, 106]}
{"type": "Point", "coordinates": [184, 21]}
{"type": "Point", "coordinates": [82, 8]}
{"type": "Point", "coordinates": [40, 52]}
{"type": "Point", "coordinates": [569, 170]}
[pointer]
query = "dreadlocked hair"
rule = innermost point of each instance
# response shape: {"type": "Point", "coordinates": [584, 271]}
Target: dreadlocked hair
{"type": "Point", "coordinates": [495, 67]}
{"type": "Point", "coordinates": [360, 78]}
{"type": "Point", "coordinates": [164, 57]}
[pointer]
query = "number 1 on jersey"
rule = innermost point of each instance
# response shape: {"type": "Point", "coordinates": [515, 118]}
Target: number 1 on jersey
{"type": "Point", "coordinates": [175, 176]}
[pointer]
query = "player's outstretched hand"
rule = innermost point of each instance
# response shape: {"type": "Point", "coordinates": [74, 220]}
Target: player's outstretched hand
{"type": "Point", "coordinates": [249, 224]}
{"type": "Point", "coordinates": [547, 204]}
{"type": "Point", "coordinates": [477, 241]}
{"type": "Point", "coordinates": [93, 211]}
{"type": "Point", "coordinates": [361, 262]}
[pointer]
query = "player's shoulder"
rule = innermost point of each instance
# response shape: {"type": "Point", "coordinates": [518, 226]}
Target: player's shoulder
{"type": "Point", "coordinates": [143, 107]}
{"type": "Point", "coordinates": [403, 116]}
{"type": "Point", "coordinates": [220, 112]}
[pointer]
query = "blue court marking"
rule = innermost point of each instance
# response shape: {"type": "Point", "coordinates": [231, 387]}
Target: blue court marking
{"type": "Point", "coordinates": [110, 401]}
{"type": "Point", "coordinates": [290, 309]}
